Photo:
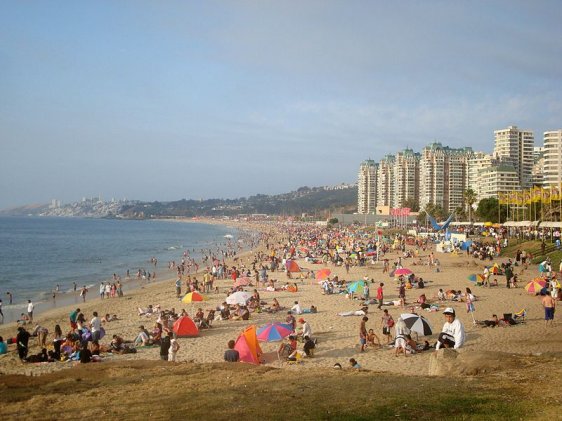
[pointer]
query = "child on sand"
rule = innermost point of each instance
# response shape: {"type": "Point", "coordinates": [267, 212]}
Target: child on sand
{"type": "Point", "coordinates": [173, 350]}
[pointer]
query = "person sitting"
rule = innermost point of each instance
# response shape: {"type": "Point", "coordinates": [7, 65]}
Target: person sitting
{"type": "Point", "coordinates": [231, 355]}
{"type": "Point", "coordinates": [309, 346]}
{"type": "Point", "coordinates": [107, 318]}
{"type": "Point", "coordinates": [422, 301]}
{"type": "Point", "coordinates": [210, 317]}
{"type": "Point", "coordinates": [421, 283]}
{"type": "Point", "coordinates": [296, 309]}
{"type": "Point", "coordinates": [117, 346]}
{"type": "Point", "coordinates": [313, 309]}
{"type": "Point", "coordinates": [288, 347]}
{"type": "Point", "coordinates": [3, 346]}
{"type": "Point", "coordinates": [156, 334]}
{"type": "Point", "coordinates": [274, 307]}
{"type": "Point", "coordinates": [142, 338]}
{"type": "Point", "coordinates": [85, 354]}
{"type": "Point", "coordinates": [146, 312]}
{"type": "Point", "coordinates": [372, 337]}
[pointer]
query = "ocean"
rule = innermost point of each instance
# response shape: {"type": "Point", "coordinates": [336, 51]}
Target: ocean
{"type": "Point", "coordinates": [37, 254]}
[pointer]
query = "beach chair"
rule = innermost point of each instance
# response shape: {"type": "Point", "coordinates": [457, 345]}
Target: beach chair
{"type": "Point", "coordinates": [521, 314]}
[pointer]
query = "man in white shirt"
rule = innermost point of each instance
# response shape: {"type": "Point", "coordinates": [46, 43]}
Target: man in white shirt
{"type": "Point", "coordinates": [296, 309]}
{"type": "Point", "coordinates": [452, 334]}
{"type": "Point", "coordinates": [30, 310]}
{"type": "Point", "coordinates": [95, 326]}
{"type": "Point", "coordinates": [306, 329]}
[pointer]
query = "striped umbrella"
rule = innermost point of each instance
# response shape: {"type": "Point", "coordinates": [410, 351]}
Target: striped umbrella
{"type": "Point", "coordinates": [417, 323]}
{"type": "Point", "coordinates": [534, 287]}
{"type": "Point", "coordinates": [191, 297]}
{"type": "Point", "coordinates": [272, 332]}
{"type": "Point", "coordinates": [475, 277]}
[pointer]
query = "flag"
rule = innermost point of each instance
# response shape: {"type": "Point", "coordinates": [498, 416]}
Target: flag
{"type": "Point", "coordinates": [545, 196]}
{"type": "Point", "coordinates": [527, 197]}
{"type": "Point", "coordinates": [502, 198]}
{"type": "Point", "coordinates": [555, 193]}
{"type": "Point", "coordinates": [536, 194]}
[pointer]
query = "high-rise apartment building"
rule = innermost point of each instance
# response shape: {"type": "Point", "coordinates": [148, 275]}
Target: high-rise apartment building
{"type": "Point", "coordinates": [367, 187]}
{"type": "Point", "coordinates": [385, 182]}
{"type": "Point", "coordinates": [406, 177]}
{"type": "Point", "coordinates": [552, 158]}
{"type": "Point", "coordinates": [496, 178]}
{"type": "Point", "coordinates": [514, 146]}
{"type": "Point", "coordinates": [444, 176]}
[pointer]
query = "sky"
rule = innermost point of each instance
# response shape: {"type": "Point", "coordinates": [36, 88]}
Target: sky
{"type": "Point", "coordinates": [153, 100]}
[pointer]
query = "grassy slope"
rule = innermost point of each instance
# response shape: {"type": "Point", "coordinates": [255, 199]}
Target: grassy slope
{"type": "Point", "coordinates": [132, 390]}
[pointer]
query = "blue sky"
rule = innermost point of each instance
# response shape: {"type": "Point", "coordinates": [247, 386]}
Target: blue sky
{"type": "Point", "coordinates": [204, 99]}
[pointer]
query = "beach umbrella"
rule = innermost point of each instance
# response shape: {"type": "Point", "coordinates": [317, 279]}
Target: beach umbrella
{"type": "Point", "coordinates": [534, 287]}
{"type": "Point", "coordinates": [475, 277]}
{"type": "Point", "coordinates": [191, 297]}
{"type": "Point", "coordinates": [272, 332]}
{"type": "Point", "coordinates": [541, 281]}
{"type": "Point", "coordinates": [402, 271]}
{"type": "Point", "coordinates": [417, 323]}
{"type": "Point", "coordinates": [243, 281]}
{"type": "Point", "coordinates": [356, 287]}
{"type": "Point", "coordinates": [323, 273]}
{"type": "Point", "coordinates": [240, 297]}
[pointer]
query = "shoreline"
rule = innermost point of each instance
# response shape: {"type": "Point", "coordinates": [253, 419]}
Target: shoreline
{"type": "Point", "coordinates": [337, 335]}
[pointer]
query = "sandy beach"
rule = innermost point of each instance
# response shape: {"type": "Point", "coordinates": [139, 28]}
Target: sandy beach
{"type": "Point", "coordinates": [338, 338]}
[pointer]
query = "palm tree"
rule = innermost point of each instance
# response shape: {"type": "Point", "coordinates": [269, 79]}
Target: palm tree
{"type": "Point", "coordinates": [469, 199]}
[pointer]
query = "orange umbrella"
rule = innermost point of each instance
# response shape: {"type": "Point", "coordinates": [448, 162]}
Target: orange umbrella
{"type": "Point", "coordinates": [191, 297]}
{"type": "Point", "coordinates": [323, 273]}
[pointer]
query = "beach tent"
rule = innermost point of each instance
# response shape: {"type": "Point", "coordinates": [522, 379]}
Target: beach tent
{"type": "Point", "coordinates": [248, 347]}
{"type": "Point", "coordinates": [292, 266]}
{"type": "Point", "coordinates": [185, 327]}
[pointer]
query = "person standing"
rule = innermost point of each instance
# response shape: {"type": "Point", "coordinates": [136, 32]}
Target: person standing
{"type": "Point", "coordinates": [508, 275]}
{"type": "Point", "coordinates": [178, 287]}
{"type": "Point", "coordinates": [102, 290]}
{"type": "Point", "coordinates": [549, 305]}
{"type": "Point", "coordinates": [174, 348]}
{"type": "Point", "coordinates": [363, 333]}
{"type": "Point", "coordinates": [165, 346]}
{"type": "Point", "coordinates": [10, 297]}
{"type": "Point", "coordinates": [452, 334]}
{"type": "Point", "coordinates": [74, 319]}
{"type": "Point", "coordinates": [22, 340]}
{"type": "Point", "coordinates": [83, 293]}
{"type": "Point", "coordinates": [402, 294]}
{"type": "Point", "coordinates": [365, 291]}
{"type": "Point", "coordinates": [380, 295]}
{"type": "Point", "coordinates": [30, 307]}
{"type": "Point", "coordinates": [1, 313]}
{"type": "Point", "coordinates": [95, 326]}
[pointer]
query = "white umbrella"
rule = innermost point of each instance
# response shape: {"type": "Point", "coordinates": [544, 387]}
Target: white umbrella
{"type": "Point", "coordinates": [240, 297]}
{"type": "Point", "coordinates": [417, 323]}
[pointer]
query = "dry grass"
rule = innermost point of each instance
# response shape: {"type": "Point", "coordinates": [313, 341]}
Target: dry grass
{"type": "Point", "coordinates": [140, 389]}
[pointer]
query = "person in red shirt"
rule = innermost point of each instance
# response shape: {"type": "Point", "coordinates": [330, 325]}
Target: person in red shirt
{"type": "Point", "coordinates": [380, 295]}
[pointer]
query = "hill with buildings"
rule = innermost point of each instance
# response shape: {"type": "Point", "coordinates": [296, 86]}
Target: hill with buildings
{"type": "Point", "coordinates": [315, 201]}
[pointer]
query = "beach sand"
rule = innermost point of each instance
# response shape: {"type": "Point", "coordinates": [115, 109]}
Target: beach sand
{"type": "Point", "coordinates": [338, 338]}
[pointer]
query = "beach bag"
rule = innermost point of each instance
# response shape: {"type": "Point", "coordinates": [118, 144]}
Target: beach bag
{"type": "Point", "coordinates": [390, 323]}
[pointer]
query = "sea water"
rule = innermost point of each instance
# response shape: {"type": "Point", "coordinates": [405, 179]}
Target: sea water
{"type": "Point", "coordinates": [39, 253]}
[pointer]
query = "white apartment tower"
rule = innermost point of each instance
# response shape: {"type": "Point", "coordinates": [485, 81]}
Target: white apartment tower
{"type": "Point", "coordinates": [406, 177]}
{"type": "Point", "coordinates": [367, 187]}
{"type": "Point", "coordinates": [444, 176]}
{"type": "Point", "coordinates": [552, 158]}
{"type": "Point", "coordinates": [385, 182]}
{"type": "Point", "coordinates": [515, 147]}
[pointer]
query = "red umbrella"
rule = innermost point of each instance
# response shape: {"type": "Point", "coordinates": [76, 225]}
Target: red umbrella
{"type": "Point", "coordinates": [402, 271]}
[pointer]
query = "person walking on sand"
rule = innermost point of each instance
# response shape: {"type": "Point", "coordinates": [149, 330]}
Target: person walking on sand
{"type": "Point", "coordinates": [30, 307]}
{"type": "Point", "coordinates": [549, 305]}
{"type": "Point", "coordinates": [83, 293]}
{"type": "Point", "coordinates": [363, 333]}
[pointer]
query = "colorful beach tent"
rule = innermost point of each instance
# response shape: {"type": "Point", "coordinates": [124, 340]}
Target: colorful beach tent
{"type": "Point", "coordinates": [356, 287]}
{"type": "Point", "coordinates": [292, 266]}
{"type": "Point", "coordinates": [185, 327]}
{"type": "Point", "coordinates": [248, 347]}
{"type": "Point", "coordinates": [191, 297]}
